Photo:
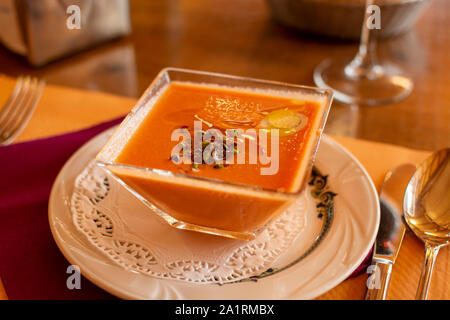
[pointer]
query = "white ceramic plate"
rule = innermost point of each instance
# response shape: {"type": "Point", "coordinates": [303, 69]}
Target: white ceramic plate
{"type": "Point", "coordinates": [308, 269]}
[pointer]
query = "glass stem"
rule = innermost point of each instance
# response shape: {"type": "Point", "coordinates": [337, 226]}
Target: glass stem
{"type": "Point", "coordinates": [365, 63]}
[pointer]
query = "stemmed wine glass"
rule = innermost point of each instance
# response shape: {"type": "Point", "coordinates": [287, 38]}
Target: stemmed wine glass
{"type": "Point", "coordinates": [364, 80]}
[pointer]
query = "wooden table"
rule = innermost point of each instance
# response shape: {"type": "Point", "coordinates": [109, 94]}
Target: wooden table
{"type": "Point", "coordinates": [239, 37]}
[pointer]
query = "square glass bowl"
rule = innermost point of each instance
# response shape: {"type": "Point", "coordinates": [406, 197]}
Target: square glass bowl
{"type": "Point", "coordinates": [202, 204]}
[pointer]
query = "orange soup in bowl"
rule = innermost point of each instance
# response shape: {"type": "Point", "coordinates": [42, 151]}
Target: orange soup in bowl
{"type": "Point", "coordinates": [218, 158]}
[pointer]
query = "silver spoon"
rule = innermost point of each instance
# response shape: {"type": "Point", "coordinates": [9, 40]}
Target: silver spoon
{"type": "Point", "coordinates": [426, 209]}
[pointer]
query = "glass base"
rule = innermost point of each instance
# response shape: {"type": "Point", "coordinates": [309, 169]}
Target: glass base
{"type": "Point", "coordinates": [353, 84]}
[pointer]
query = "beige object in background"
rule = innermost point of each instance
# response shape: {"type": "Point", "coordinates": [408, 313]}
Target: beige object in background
{"type": "Point", "coordinates": [40, 30]}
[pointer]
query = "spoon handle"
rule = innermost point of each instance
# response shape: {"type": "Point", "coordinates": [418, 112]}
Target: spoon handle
{"type": "Point", "coordinates": [427, 268]}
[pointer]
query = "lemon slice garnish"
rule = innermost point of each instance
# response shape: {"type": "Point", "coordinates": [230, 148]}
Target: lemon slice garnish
{"type": "Point", "coordinates": [287, 121]}
{"type": "Point", "coordinates": [283, 119]}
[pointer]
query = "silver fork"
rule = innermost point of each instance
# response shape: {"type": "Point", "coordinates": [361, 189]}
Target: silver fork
{"type": "Point", "coordinates": [19, 108]}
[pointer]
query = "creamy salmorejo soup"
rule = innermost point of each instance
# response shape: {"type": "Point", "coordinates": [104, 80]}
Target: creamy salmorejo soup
{"type": "Point", "coordinates": [230, 135]}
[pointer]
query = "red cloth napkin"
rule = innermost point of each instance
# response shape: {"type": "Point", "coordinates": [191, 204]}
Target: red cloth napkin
{"type": "Point", "coordinates": [31, 265]}
{"type": "Point", "coordinates": [363, 266]}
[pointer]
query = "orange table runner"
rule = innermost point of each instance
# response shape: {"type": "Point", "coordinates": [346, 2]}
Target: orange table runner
{"type": "Point", "coordinates": [62, 110]}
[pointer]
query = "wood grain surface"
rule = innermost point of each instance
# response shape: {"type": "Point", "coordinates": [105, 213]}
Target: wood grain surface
{"type": "Point", "coordinates": [240, 37]}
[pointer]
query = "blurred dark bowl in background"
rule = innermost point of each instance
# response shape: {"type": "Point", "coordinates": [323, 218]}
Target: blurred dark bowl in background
{"type": "Point", "coordinates": [343, 18]}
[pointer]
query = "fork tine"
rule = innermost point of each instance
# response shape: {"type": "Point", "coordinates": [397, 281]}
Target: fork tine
{"type": "Point", "coordinates": [21, 106]}
{"type": "Point", "coordinates": [25, 111]}
{"type": "Point", "coordinates": [15, 95]}
{"type": "Point", "coordinates": [14, 108]}
{"type": "Point", "coordinates": [28, 109]}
